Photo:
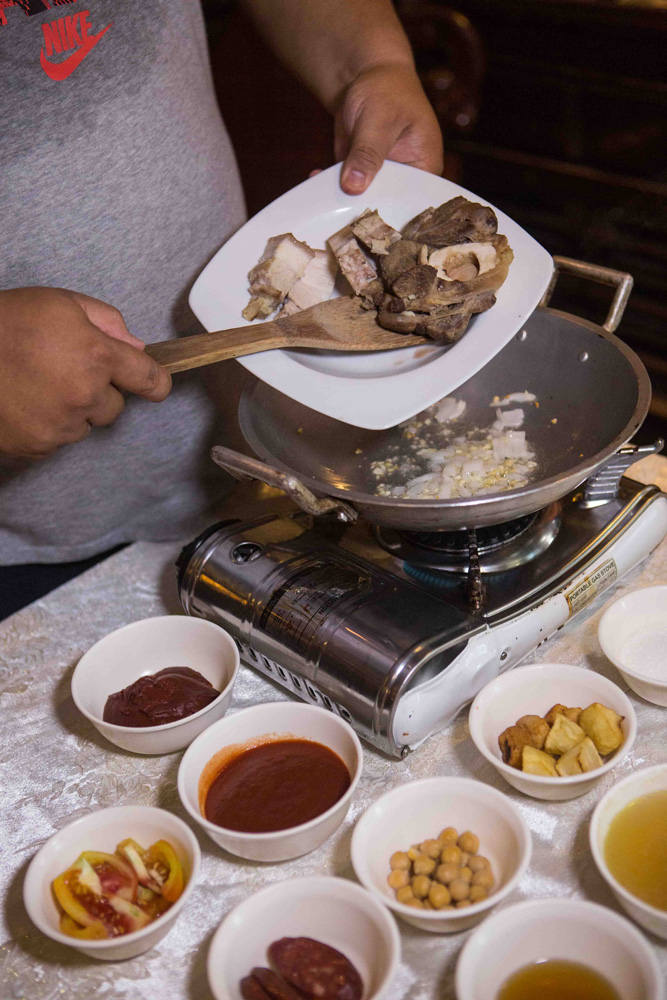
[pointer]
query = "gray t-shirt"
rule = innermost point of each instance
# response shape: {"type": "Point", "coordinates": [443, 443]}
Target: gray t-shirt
{"type": "Point", "coordinates": [118, 180]}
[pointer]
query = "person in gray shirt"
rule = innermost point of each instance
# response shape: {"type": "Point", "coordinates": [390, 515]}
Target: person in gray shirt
{"type": "Point", "coordinates": [118, 183]}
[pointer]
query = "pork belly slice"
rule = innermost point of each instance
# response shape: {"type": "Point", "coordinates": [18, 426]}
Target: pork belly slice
{"type": "Point", "coordinates": [315, 284]}
{"type": "Point", "coordinates": [457, 221]}
{"type": "Point", "coordinates": [374, 232]}
{"type": "Point", "coordinates": [283, 262]}
{"type": "Point", "coordinates": [359, 270]}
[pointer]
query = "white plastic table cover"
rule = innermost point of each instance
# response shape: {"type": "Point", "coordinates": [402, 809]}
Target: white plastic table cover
{"type": "Point", "coordinates": [54, 767]}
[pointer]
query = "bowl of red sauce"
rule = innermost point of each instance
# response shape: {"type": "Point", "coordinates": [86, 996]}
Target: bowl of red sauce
{"type": "Point", "coordinates": [272, 782]}
{"type": "Point", "coordinates": [153, 686]}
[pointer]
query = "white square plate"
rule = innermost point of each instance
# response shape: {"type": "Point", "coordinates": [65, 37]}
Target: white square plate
{"type": "Point", "coordinates": [374, 389]}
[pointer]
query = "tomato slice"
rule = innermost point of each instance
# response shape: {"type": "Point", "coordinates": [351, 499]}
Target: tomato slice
{"type": "Point", "coordinates": [163, 866]}
{"type": "Point", "coordinates": [95, 932]}
{"type": "Point", "coordinates": [135, 854]}
{"type": "Point", "coordinates": [87, 889]}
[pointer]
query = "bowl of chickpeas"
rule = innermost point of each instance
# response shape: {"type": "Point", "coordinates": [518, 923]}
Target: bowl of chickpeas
{"type": "Point", "coordinates": [441, 852]}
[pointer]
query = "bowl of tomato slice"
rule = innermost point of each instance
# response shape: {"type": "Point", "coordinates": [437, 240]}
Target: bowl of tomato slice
{"type": "Point", "coordinates": [112, 883]}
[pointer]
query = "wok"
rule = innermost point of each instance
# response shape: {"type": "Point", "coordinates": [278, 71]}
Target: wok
{"type": "Point", "coordinates": [593, 392]}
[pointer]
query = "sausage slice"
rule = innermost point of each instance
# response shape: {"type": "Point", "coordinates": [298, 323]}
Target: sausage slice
{"type": "Point", "coordinates": [318, 971]}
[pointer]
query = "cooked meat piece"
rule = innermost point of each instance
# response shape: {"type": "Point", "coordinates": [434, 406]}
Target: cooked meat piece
{"type": "Point", "coordinates": [444, 327]}
{"type": "Point", "coordinates": [359, 270]}
{"type": "Point", "coordinates": [457, 221]}
{"type": "Point", "coordinates": [374, 232]}
{"type": "Point", "coordinates": [400, 257]}
{"type": "Point", "coordinates": [417, 282]}
{"type": "Point", "coordinates": [400, 322]}
{"type": "Point", "coordinates": [481, 302]}
{"type": "Point", "coordinates": [283, 262]}
{"type": "Point", "coordinates": [315, 284]}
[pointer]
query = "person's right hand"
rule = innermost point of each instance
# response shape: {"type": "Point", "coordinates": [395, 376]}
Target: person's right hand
{"type": "Point", "coordinates": [65, 360]}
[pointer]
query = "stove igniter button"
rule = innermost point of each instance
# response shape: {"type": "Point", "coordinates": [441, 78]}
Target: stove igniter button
{"type": "Point", "coordinates": [247, 552]}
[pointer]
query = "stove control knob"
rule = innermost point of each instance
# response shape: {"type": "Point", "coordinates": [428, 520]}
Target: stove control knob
{"type": "Point", "coordinates": [246, 552]}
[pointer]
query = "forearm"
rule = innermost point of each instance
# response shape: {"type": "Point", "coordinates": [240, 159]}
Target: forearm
{"type": "Point", "coordinates": [328, 43]}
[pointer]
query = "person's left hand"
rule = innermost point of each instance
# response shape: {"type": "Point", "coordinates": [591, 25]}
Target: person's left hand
{"type": "Point", "coordinates": [385, 114]}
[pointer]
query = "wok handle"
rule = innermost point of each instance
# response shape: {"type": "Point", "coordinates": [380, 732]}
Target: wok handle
{"type": "Point", "coordinates": [621, 280]}
{"type": "Point", "coordinates": [603, 485]}
{"type": "Point", "coordinates": [244, 467]}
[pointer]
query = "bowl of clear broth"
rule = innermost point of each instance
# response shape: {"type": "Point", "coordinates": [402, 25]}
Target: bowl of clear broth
{"type": "Point", "coordinates": [556, 949]}
{"type": "Point", "coordinates": [271, 782]}
{"type": "Point", "coordinates": [152, 686]}
{"type": "Point", "coordinates": [628, 838]}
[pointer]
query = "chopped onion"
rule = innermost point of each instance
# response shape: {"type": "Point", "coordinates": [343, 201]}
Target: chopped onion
{"type": "Point", "coordinates": [510, 418]}
{"type": "Point", "coordinates": [513, 397]}
{"type": "Point", "coordinates": [448, 409]}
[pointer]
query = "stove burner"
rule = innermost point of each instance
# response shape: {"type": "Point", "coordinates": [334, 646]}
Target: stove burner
{"type": "Point", "coordinates": [497, 547]}
{"type": "Point", "coordinates": [456, 543]}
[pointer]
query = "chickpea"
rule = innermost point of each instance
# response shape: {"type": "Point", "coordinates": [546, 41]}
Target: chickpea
{"type": "Point", "coordinates": [398, 879]}
{"type": "Point", "coordinates": [431, 848]}
{"type": "Point", "coordinates": [451, 855]}
{"type": "Point", "coordinates": [423, 865]}
{"type": "Point", "coordinates": [477, 893]}
{"type": "Point", "coordinates": [462, 903]}
{"type": "Point", "coordinates": [399, 861]}
{"type": "Point", "coordinates": [416, 904]}
{"type": "Point", "coordinates": [413, 852]}
{"type": "Point", "coordinates": [438, 896]}
{"type": "Point", "coordinates": [477, 863]}
{"type": "Point", "coordinates": [446, 873]}
{"type": "Point", "coordinates": [484, 878]}
{"type": "Point", "coordinates": [458, 889]}
{"type": "Point", "coordinates": [465, 858]}
{"type": "Point", "coordinates": [420, 886]}
{"type": "Point", "coordinates": [468, 842]}
{"type": "Point", "coordinates": [405, 894]}
{"type": "Point", "coordinates": [465, 874]}
{"type": "Point", "coordinates": [427, 905]}
{"type": "Point", "coordinates": [448, 835]}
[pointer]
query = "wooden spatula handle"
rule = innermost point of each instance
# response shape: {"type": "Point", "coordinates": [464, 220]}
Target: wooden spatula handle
{"type": "Point", "coordinates": [207, 348]}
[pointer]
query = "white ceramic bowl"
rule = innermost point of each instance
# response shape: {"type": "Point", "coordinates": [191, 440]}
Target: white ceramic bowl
{"type": "Point", "coordinates": [642, 782]}
{"type": "Point", "coordinates": [102, 831]}
{"type": "Point", "coordinates": [532, 690]}
{"type": "Point", "coordinates": [418, 811]}
{"type": "Point", "coordinates": [144, 647]}
{"type": "Point", "coordinates": [633, 630]}
{"type": "Point", "coordinates": [332, 910]}
{"type": "Point", "coordinates": [279, 719]}
{"type": "Point", "coordinates": [567, 929]}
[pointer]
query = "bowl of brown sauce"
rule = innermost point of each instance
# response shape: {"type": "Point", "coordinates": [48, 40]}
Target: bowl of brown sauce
{"type": "Point", "coordinates": [271, 782]}
{"type": "Point", "coordinates": [153, 686]}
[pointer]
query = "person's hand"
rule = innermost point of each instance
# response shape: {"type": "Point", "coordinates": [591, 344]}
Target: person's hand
{"type": "Point", "coordinates": [385, 114]}
{"type": "Point", "coordinates": [65, 360]}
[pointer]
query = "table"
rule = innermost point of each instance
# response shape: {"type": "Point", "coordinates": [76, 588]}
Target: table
{"type": "Point", "coordinates": [54, 767]}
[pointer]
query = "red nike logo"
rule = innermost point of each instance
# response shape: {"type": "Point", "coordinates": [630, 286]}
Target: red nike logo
{"type": "Point", "coordinates": [64, 34]}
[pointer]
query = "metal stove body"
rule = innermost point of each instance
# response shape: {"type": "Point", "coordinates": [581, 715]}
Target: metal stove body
{"type": "Point", "coordinates": [397, 632]}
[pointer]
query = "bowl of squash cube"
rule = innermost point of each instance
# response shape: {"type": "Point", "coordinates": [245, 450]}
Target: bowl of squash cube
{"type": "Point", "coordinates": [552, 730]}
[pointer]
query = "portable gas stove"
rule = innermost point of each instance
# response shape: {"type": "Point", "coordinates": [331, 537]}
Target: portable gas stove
{"type": "Point", "coordinates": [396, 632]}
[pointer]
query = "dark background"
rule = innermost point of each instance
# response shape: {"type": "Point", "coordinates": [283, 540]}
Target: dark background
{"type": "Point", "coordinates": [554, 111]}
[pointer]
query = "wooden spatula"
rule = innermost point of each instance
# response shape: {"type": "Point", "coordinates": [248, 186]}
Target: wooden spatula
{"type": "Point", "coordinates": [337, 325]}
